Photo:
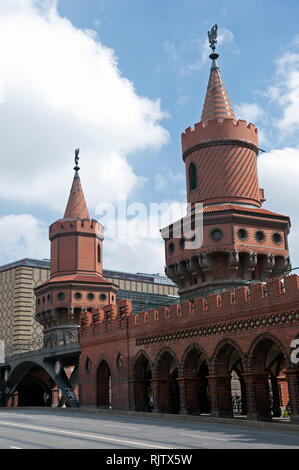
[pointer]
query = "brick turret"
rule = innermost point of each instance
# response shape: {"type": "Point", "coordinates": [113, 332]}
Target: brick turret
{"type": "Point", "coordinates": [240, 240]}
{"type": "Point", "coordinates": [76, 282]}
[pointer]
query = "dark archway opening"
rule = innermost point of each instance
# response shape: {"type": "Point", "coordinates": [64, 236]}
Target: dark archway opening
{"type": "Point", "coordinates": [268, 362]}
{"type": "Point", "coordinates": [104, 391]}
{"type": "Point", "coordinates": [33, 392]}
{"type": "Point", "coordinates": [142, 385]}
{"type": "Point", "coordinates": [196, 383]}
{"type": "Point", "coordinates": [228, 369]}
{"type": "Point", "coordinates": [167, 384]}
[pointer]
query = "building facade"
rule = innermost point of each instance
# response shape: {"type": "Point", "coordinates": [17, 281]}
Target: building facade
{"type": "Point", "coordinates": [225, 348]}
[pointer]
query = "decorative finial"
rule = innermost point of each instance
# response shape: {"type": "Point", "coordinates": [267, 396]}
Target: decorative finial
{"type": "Point", "coordinates": [213, 41]}
{"type": "Point", "coordinates": [76, 168]}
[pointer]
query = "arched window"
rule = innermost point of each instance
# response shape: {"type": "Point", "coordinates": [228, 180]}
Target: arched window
{"type": "Point", "coordinates": [192, 177]}
{"type": "Point", "coordinates": [99, 253]}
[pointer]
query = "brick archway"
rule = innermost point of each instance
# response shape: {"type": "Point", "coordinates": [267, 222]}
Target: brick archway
{"type": "Point", "coordinates": [228, 387]}
{"type": "Point", "coordinates": [166, 395]}
{"type": "Point", "coordinates": [142, 378]}
{"type": "Point", "coordinates": [104, 390]}
{"type": "Point", "coordinates": [195, 371]}
{"type": "Point", "coordinates": [266, 358]}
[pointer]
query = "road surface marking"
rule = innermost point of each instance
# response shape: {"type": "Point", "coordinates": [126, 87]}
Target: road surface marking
{"type": "Point", "coordinates": [205, 437]}
{"type": "Point", "coordinates": [84, 435]}
{"type": "Point", "coordinates": [120, 427]}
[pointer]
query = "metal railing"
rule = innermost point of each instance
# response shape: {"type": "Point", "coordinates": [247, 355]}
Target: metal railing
{"type": "Point", "coordinates": [51, 339]}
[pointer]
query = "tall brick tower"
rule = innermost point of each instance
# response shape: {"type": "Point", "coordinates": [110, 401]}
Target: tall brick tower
{"type": "Point", "coordinates": [76, 282]}
{"type": "Point", "coordinates": [240, 240]}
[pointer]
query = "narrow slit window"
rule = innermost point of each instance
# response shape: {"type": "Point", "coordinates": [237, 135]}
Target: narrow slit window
{"type": "Point", "coordinates": [192, 176]}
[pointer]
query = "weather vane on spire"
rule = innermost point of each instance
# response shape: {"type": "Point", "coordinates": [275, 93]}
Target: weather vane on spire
{"type": "Point", "coordinates": [76, 168]}
{"type": "Point", "coordinates": [213, 37]}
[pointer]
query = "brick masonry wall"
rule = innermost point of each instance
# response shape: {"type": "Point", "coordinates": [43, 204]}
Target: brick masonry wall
{"type": "Point", "coordinates": [240, 318]}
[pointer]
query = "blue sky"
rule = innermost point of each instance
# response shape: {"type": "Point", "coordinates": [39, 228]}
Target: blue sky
{"type": "Point", "coordinates": [121, 79]}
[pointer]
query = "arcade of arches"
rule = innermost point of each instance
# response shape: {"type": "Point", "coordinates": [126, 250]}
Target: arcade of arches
{"type": "Point", "coordinates": [231, 382]}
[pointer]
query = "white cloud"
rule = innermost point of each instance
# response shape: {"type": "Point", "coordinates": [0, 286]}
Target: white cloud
{"type": "Point", "coordinates": [144, 255]}
{"type": "Point", "coordinates": [284, 89]}
{"type": "Point", "coordinates": [251, 112]}
{"type": "Point", "coordinates": [133, 240]}
{"type": "Point", "coordinates": [279, 176]}
{"type": "Point", "coordinates": [166, 178]}
{"type": "Point", "coordinates": [63, 89]}
{"type": "Point", "coordinates": [22, 236]}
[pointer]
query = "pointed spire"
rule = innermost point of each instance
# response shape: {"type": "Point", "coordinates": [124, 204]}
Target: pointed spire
{"type": "Point", "coordinates": [76, 207]}
{"type": "Point", "coordinates": [217, 104]}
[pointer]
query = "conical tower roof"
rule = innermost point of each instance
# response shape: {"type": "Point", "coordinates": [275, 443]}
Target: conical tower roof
{"type": "Point", "coordinates": [217, 104]}
{"type": "Point", "coordinates": [76, 207]}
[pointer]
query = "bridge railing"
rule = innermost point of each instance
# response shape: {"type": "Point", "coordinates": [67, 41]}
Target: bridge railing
{"type": "Point", "coordinates": [58, 337]}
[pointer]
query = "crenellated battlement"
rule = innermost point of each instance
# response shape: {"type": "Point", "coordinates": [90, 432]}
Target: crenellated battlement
{"type": "Point", "coordinates": [230, 304]}
{"type": "Point", "coordinates": [219, 129]}
{"type": "Point", "coordinates": [63, 226]}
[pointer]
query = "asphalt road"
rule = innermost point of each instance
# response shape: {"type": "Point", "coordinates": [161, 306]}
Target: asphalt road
{"type": "Point", "coordinates": [35, 429]}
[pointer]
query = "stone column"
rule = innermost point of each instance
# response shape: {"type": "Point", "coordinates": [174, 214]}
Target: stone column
{"type": "Point", "coordinates": [276, 397]}
{"type": "Point", "coordinates": [221, 397]}
{"type": "Point", "coordinates": [258, 397]}
{"type": "Point", "coordinates": [55, 396]}
{"type": "Point", "coordinates": [155, 390]}
{"type": "Point", "coordinates": [15, 399]}
{"type": "Point", "coordinates": [189, 399]}
{"type": "Point", "coordinates": [183, 391]}
{"type": "Point", "coordinates": [132, 394]}
{"type": "Point", "coordinates": [293, 383]}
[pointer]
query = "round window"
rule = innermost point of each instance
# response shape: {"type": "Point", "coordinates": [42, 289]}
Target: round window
{"type": "Point", "coordinates": [276, 237]}
{"type": "Point", "coordinates": [260, 236]}
{"type": "Point", "coordinates": [78, 295]}
{"type": "Point", "coordinates": [103, 297]}
{"type": "Point", "coordinates": [61, 296]}
{"type": "Point", "coordinates": [216, 235]}
{"type": "Point", "coordinates": [242, 234]}
{"type": "Point", "coordinates": [90, 296]}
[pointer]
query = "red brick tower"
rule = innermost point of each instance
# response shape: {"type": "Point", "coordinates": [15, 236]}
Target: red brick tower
{"type": "Point", "coordinates": [76, 282]}
{"type": "Point", "coordinates": [240, 240]}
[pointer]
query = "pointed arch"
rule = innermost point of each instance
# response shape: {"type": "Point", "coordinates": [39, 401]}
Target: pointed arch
{"type": "Point", "coordinates": [165, 350]}
{"type": "Point", "coordinates": [193, 347]}
{"type": "Point", "coordinates": [142, 382]}
{"type": "Point", "coordinates": [222, 355]}
{"type": "Point", "coordinates": [195, 372]}
{"type": "Point", "coordinates": [103, 384]}
{"type": "Point", "coordinates": [166, 374]}
{"type": "Point", "coordinates": [259, 349]}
